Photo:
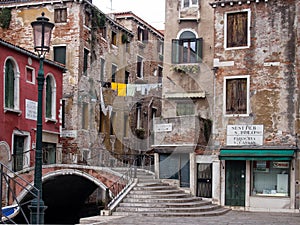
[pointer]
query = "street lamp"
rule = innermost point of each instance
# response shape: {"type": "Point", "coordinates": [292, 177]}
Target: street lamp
{"type": "Point", "coordinates": [42, 29]}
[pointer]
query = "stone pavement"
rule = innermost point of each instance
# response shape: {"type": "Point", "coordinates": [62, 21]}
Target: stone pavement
{"type": "Point", "coordinates": [230, 218]}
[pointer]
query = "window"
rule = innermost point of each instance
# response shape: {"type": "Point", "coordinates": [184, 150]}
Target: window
{"type": "Point", "coordinates": [142, 34]}
{"type": "Point", "coordinates": [237, 29]}
{"type": "Point", "coordinates": [30, 75]}
{"type": "Point", "coordinates": [11, 91]}
{"type": "Point", "coordinates": [50, 98]}
{"type": "Point", "coordinates": [185, 108]}
{"type": "Point", "coordinates": [113, 38]}
{"type": "Point", "coordinates": [87, 19]}
{"type": "Point", "coordinates": [102, 69]}
{"type": "Point", "coordinates": [127, 74]}
{"type": "Point", "coordinates": [139, 67]}
{"type": "Point", "coordinates": [60, 54]}
{"type": "Point", "coordinates": [138, 115]}
{"type": "Point", "coordinates": [114, 69]}
{"type": "Point", "coordinates": [60, 15]}
{"type": "Point", "coordinates": [189, 3]}
{"type": "Point", "coordinates": [85, 116]}
{"type": "Point", "coordinates": [21, 154]}
{"type": "Point", "coordinates": [236, 95]}
{"type": "Point", "coordinates": [187, 49]}
{"type": "Point", "coordinates": [85, 60]}
{"type": "Point", "coordinates": [160, 47]}
{"type": "Point", "coordinates": [270, 178]}
{"type": "Point", "coordinates": [160, 74]}
{"type": "Point", "coordinates": [49, 153]}
{"type": "Point", "coordinates": [63, 113]}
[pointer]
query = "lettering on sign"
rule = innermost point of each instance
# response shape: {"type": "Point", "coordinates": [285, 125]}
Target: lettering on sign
{"type": "Point", "coordinates": [163, 127]}
{"type": "Point", "coordinates": [69, 134]}
{"type": "Point", "coordinates": [245, 135]}
{"type": "Point", "coordinates": [31, 109]}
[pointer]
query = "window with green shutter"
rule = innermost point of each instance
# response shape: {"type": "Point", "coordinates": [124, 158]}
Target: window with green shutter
{"type": "Point", "coordinates": [9, 84]}
{"type": "Point", "coordinates": [187, 49]}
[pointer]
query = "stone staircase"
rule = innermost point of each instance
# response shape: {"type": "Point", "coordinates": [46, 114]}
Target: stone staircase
{"type": "Point", "coordinates": [152, 197]}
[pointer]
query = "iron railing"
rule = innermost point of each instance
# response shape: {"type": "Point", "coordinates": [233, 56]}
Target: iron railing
{"type": "Point", "coordinates": [9, 183]}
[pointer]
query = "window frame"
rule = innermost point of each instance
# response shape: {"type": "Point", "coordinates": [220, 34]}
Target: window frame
{"type": "Point", "coordinates": [65, 53]}
{"type": "Point", "coordinates": [114, 38]}
{"type": "Point", "coordinates": [15, 92]}
{"type": "Point", "coordinates": [226, 29]}
{"type": "Point", "coordinates": [52, 101]}
{"type": "Point", "coordinates": [86, 54]}
{"type": "Point", "coordinates": [140, 67]}
{"type": "Point", "coordinates": [226, 78]}
{"type": "Point", "coordinates": [177, 56]}
{"type": "Point", "coordinates": [58, 18]}
{"type": "Point", "coordinates": [114, 72]}
{"type": "Point", "coordinates": [190, 4]}
{"type": "Point", "coordinates": [32, 70]}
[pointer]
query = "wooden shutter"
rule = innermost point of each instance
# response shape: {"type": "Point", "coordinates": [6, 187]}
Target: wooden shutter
{"type": "Point", "coordinates": [237, 29]}
{"type": "Point", "coordinates": [145, 36]}
{"type": "Point", "coordinates": [175, 51]}
{"type": "Point", "coordinates": [236, 96]}
{"type": "Point", "coordinates": [199, 49]}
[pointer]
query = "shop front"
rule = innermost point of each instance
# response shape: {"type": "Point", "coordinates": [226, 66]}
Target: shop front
{"type": "Point", "coordinates": [258, 179]}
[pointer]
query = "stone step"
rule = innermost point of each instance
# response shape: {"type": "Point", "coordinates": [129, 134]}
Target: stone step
{"type": "Point", "coordinates": [165, 204]}
{"type": "Point", "coordinates": [157, 196]}
{"type": "Point", "coordinates": [215, 212]}
{"type": "Point", "coordinates": [160, 200]}
{"type": "Point", "coordinates": [157, 192]}
{"type": "Point", "coordinates": [154, 188]}
{"type": "Point", "coordinates": [151, 184]}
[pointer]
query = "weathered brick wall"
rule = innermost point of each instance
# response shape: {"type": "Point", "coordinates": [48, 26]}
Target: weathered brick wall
{"type": "Point", "coordinates": [273, 89]}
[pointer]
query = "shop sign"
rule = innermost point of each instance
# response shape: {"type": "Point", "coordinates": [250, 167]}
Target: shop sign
{"type": "Point", "coordinates": [245, 135]}
{"type": "Point", "coordinates": [281, 165]}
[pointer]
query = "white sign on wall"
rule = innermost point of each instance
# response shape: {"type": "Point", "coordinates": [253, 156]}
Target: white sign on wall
{"type": "Point", "coordinates": [245, 134]}
{"type": "Point", "coordinates": [31, 109]}
{"type": "Point", "coordinates": [69, 134]}
{"type": "Point", "coordinates": [163, 127]}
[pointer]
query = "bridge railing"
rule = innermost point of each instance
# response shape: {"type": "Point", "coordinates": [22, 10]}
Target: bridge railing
{"type": "Point", "coordinates": [10, 182]}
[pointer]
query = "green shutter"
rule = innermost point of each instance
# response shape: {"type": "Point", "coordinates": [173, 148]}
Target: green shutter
{"type": "Point", "coordinates": [9, 84]}
{"type": "Point", "coordinates": [199, 49]}
{"type": "Point", "coordinates": [48, 97]}
{"type": "Point", "coordinates": [175, 51]}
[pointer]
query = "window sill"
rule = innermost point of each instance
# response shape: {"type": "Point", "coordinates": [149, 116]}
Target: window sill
{"type": "Point", "coordinates": [19, 112]}
{"type": "Point", "coordinates": [237, 115]}
{"type": "Point", "coordinates": [141, 44]}
{"type": "Point", "coordinates": [50, 120]}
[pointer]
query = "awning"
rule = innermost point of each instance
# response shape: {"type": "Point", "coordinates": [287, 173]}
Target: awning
{"type": "Point", "coordinates": [198, 94]}
{"type": "Point", "coordinates": [256, 154]}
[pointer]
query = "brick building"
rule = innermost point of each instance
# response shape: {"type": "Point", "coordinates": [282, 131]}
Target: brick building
{"type": "Point", "coordinates": [102, 61]}
{"type": "Point", "coordinates": [18, 100]}
{"type": "Point", "coordinates": [256, 120]}
{"type": "Point", "coordinates": [183, 132]}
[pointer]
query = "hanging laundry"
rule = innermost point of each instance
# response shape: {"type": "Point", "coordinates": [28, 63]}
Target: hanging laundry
{"type": "Point", "coordinates": [131, 89]}
{"type": "Point", "coordinates": [121, 89]}
{"type": "Point", "coordinates": [114, 86]}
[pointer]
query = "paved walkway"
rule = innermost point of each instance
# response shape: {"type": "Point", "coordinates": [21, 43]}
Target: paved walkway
{"type": "Point", "coordinates": [230, 218]}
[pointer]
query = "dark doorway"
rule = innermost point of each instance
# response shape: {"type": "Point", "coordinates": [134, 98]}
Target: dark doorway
{"type": "Point", "coordinates": [204, 178]}
{"type": "Point", "coordinates": [18, 153]}
{"type": "Point", "coordinates": [235, 181]}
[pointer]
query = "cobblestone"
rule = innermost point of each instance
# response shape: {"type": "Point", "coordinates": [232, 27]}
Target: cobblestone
{"type": "Point", "coordinates": [230, 218]}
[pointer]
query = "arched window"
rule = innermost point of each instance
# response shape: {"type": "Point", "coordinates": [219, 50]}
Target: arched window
{"type": "Point", "coordinates": [50, 98]}
{"type": "Point", "coordinates": [11, 85]}
{"type": "Point", "coordinates": [187, 49]}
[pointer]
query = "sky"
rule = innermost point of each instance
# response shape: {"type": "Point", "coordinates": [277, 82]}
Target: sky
{"type": "Point", "coordinates": [152, 12]}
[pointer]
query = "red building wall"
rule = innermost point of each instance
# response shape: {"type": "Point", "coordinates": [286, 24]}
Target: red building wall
{"type": "Point", "coordinates": [11, 121]}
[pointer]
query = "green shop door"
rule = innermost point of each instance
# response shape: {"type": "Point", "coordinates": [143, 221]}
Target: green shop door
{"type": "Point", "coordinates": [235, 181]}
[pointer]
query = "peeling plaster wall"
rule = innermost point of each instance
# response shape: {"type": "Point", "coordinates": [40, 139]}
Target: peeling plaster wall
{"type": "Point", "coordinates": [273, 89]}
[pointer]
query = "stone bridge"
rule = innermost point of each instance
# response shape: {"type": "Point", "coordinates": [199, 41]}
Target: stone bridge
{"type": "Point", "coordinates": [65, 186]}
